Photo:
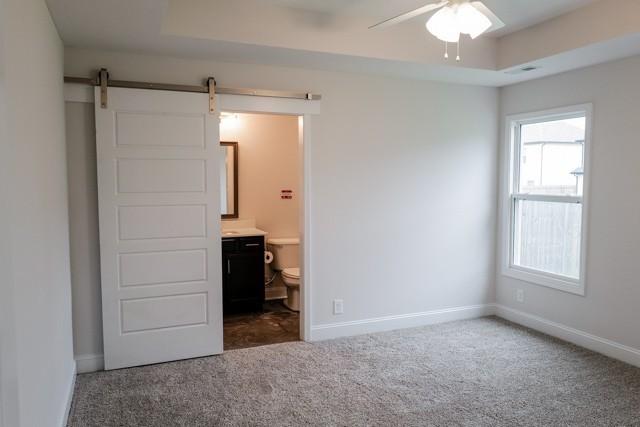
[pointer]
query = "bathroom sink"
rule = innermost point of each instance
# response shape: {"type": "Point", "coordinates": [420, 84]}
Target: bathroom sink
{"type": "Point", "coordinates": [243, 232]}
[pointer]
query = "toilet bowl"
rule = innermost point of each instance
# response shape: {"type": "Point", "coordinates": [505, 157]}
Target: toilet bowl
{"type": "Point", "coordinates": [291, 279]}
{"type": "Point", "coordinates": [285, 260]}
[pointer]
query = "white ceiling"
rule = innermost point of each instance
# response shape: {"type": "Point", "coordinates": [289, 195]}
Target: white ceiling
{"type": "Point", "coordinates": [323, 34]}
{"type": "Point", "coordinates": [516, 14]}
{"type": "Point", "coordinates": [76, 19]}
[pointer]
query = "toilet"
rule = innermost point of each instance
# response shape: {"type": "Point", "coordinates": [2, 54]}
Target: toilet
{"type": "Point", "coordinates": [286, 261]}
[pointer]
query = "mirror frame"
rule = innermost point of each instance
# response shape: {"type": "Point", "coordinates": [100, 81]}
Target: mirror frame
{"type": "Point", "coordinates": [233, 144]}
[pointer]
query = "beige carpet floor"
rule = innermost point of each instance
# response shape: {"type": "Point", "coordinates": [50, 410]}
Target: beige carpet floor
{"type": "Point", "coordinates": [484, 372]}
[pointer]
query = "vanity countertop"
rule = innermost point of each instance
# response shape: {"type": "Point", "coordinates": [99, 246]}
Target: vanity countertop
{"type": "Point", "coordinates": [242, 232]}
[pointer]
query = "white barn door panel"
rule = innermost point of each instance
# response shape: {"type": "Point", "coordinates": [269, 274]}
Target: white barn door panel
{"type": "Point", "coordinates": [159, 206]}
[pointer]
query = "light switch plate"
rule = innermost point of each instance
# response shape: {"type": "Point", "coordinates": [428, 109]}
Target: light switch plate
{"type": "Point", "coordinates": [338, 306]}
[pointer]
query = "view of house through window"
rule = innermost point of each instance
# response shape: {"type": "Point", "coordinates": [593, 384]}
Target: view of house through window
{"type": "Point", "coordinates": [546, 222]}
{"type": "Point", "coordinates": [552, 156]}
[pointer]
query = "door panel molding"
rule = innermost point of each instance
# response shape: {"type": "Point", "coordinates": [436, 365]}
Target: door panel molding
{"type": "Point", "coordinates": [159, 225]}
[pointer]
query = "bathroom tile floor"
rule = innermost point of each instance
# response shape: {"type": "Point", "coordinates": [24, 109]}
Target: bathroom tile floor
{"type": "Point", "coordinates": [275, 324]}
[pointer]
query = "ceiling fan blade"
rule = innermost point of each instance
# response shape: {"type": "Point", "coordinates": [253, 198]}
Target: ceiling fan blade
{"type": "Point", "coordinates": [411, 14]}
{"type": "Point", "coordinates": [496, 23]}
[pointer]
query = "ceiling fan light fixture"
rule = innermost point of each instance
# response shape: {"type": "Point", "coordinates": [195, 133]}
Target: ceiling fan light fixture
{"type": "Point", "coordinates": [471, 21]}
{"type": "Point", "coordinates": [450, 21]}
{"type": "Point", "coordinates": [452, 18]}
{"type": "Point", "coordinates": [444, 25]}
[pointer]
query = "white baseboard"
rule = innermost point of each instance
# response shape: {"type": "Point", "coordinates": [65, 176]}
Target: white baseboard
{"type": "Point", "coordinates": [95, 362]}
{"type": "Point", "coordinates": [67, 407]}
{"type": "Point", "coordinates": [387, 323]}
{"type": "Point", "coordinates": [89, 363]}
{"type": "Point", "coordinates": [583, 339]}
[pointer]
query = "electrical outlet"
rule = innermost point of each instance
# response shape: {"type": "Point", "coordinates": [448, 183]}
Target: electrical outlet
{"type": "Point", "coordinates": [520, 295]}
{"type": "Point", "coordinates": [338, 306]}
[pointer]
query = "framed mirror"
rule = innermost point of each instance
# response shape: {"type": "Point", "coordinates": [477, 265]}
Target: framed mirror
{"type": "Point", "coordinates": [228, 179]}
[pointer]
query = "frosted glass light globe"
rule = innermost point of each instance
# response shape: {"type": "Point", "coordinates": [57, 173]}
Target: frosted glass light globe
{"type": "Point", "coordinates": [471, 21]}
{"type": "Point", "coordinates": [444, 25]}
{"type": "Point", "coordinates": [450, 21]}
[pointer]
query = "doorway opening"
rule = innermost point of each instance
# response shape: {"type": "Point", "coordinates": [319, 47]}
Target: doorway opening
{"type": "Point", "coordinates": [261, 180]}
{"type": "Point", "coordinates": [160, 214]}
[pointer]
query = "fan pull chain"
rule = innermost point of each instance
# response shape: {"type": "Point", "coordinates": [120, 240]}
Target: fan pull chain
{"type": "Point", "coordinates": [446, 50]}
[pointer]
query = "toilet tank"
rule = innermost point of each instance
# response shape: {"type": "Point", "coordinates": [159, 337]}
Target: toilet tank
{"type": "Point", "coordinates": [286, 252]}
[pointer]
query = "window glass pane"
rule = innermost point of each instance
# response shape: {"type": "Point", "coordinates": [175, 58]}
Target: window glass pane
{"type": "Point", "coordinates": [551, 157]}
{"type": "Point", "coordinates": [547, 237]}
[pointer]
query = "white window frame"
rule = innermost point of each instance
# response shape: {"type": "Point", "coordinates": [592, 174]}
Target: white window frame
{"type": "Point", "coordinates": [511, 166]}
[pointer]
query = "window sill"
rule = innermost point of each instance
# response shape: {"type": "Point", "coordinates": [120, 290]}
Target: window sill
{"type": "Point", "coordinates": [542, 279]}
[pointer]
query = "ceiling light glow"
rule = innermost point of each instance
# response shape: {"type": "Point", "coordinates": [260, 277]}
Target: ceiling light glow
{"type": "Point", "coordinates": [444, 25]}
{"type": "Point", "coordinates": [449, 22]}
{"type": "Point", "coordinates": [471, 21]}
{"type": "Point", "coordinates": [229, 121]}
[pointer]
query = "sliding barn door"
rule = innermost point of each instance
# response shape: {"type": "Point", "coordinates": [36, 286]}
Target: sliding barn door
{"type": "Point", "coordinates": [159, 205]}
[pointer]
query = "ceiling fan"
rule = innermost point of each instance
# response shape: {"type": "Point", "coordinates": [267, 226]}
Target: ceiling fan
{"type": "Point", "coordinates": [454, 17]}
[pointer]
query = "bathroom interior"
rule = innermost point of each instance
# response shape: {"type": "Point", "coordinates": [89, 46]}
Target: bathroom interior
{"type": "Point", "coordinates": [260, 176]}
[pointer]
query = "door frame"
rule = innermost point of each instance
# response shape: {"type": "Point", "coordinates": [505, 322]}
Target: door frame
{"type": "Point", "coordinates": [305, 110]}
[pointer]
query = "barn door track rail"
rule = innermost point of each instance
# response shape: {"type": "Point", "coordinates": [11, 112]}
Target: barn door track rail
{"type": "Point", "coordinates": [103, 80]}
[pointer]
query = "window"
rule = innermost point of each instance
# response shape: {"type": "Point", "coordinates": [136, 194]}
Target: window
{"type": "Point", "coordinates": [545, 206]}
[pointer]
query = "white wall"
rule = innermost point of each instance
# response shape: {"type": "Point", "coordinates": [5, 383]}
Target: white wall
{"type": "Point", "coordinates": [610, 307]}
{"type": "Point", "coordinates": [268, 163]}
{"type": "Point", "coordinates": [83, 220]}
{"type": "Point", "coordinates": [36, 351]}
{"type": "Point", "coordinates": [403, 184]}
{"type": "Point", "coordinates": [8, 351]}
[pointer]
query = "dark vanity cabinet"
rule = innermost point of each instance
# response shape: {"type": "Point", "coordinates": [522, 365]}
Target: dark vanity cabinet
{"type": "Point", "coordinates": [242, 274]}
